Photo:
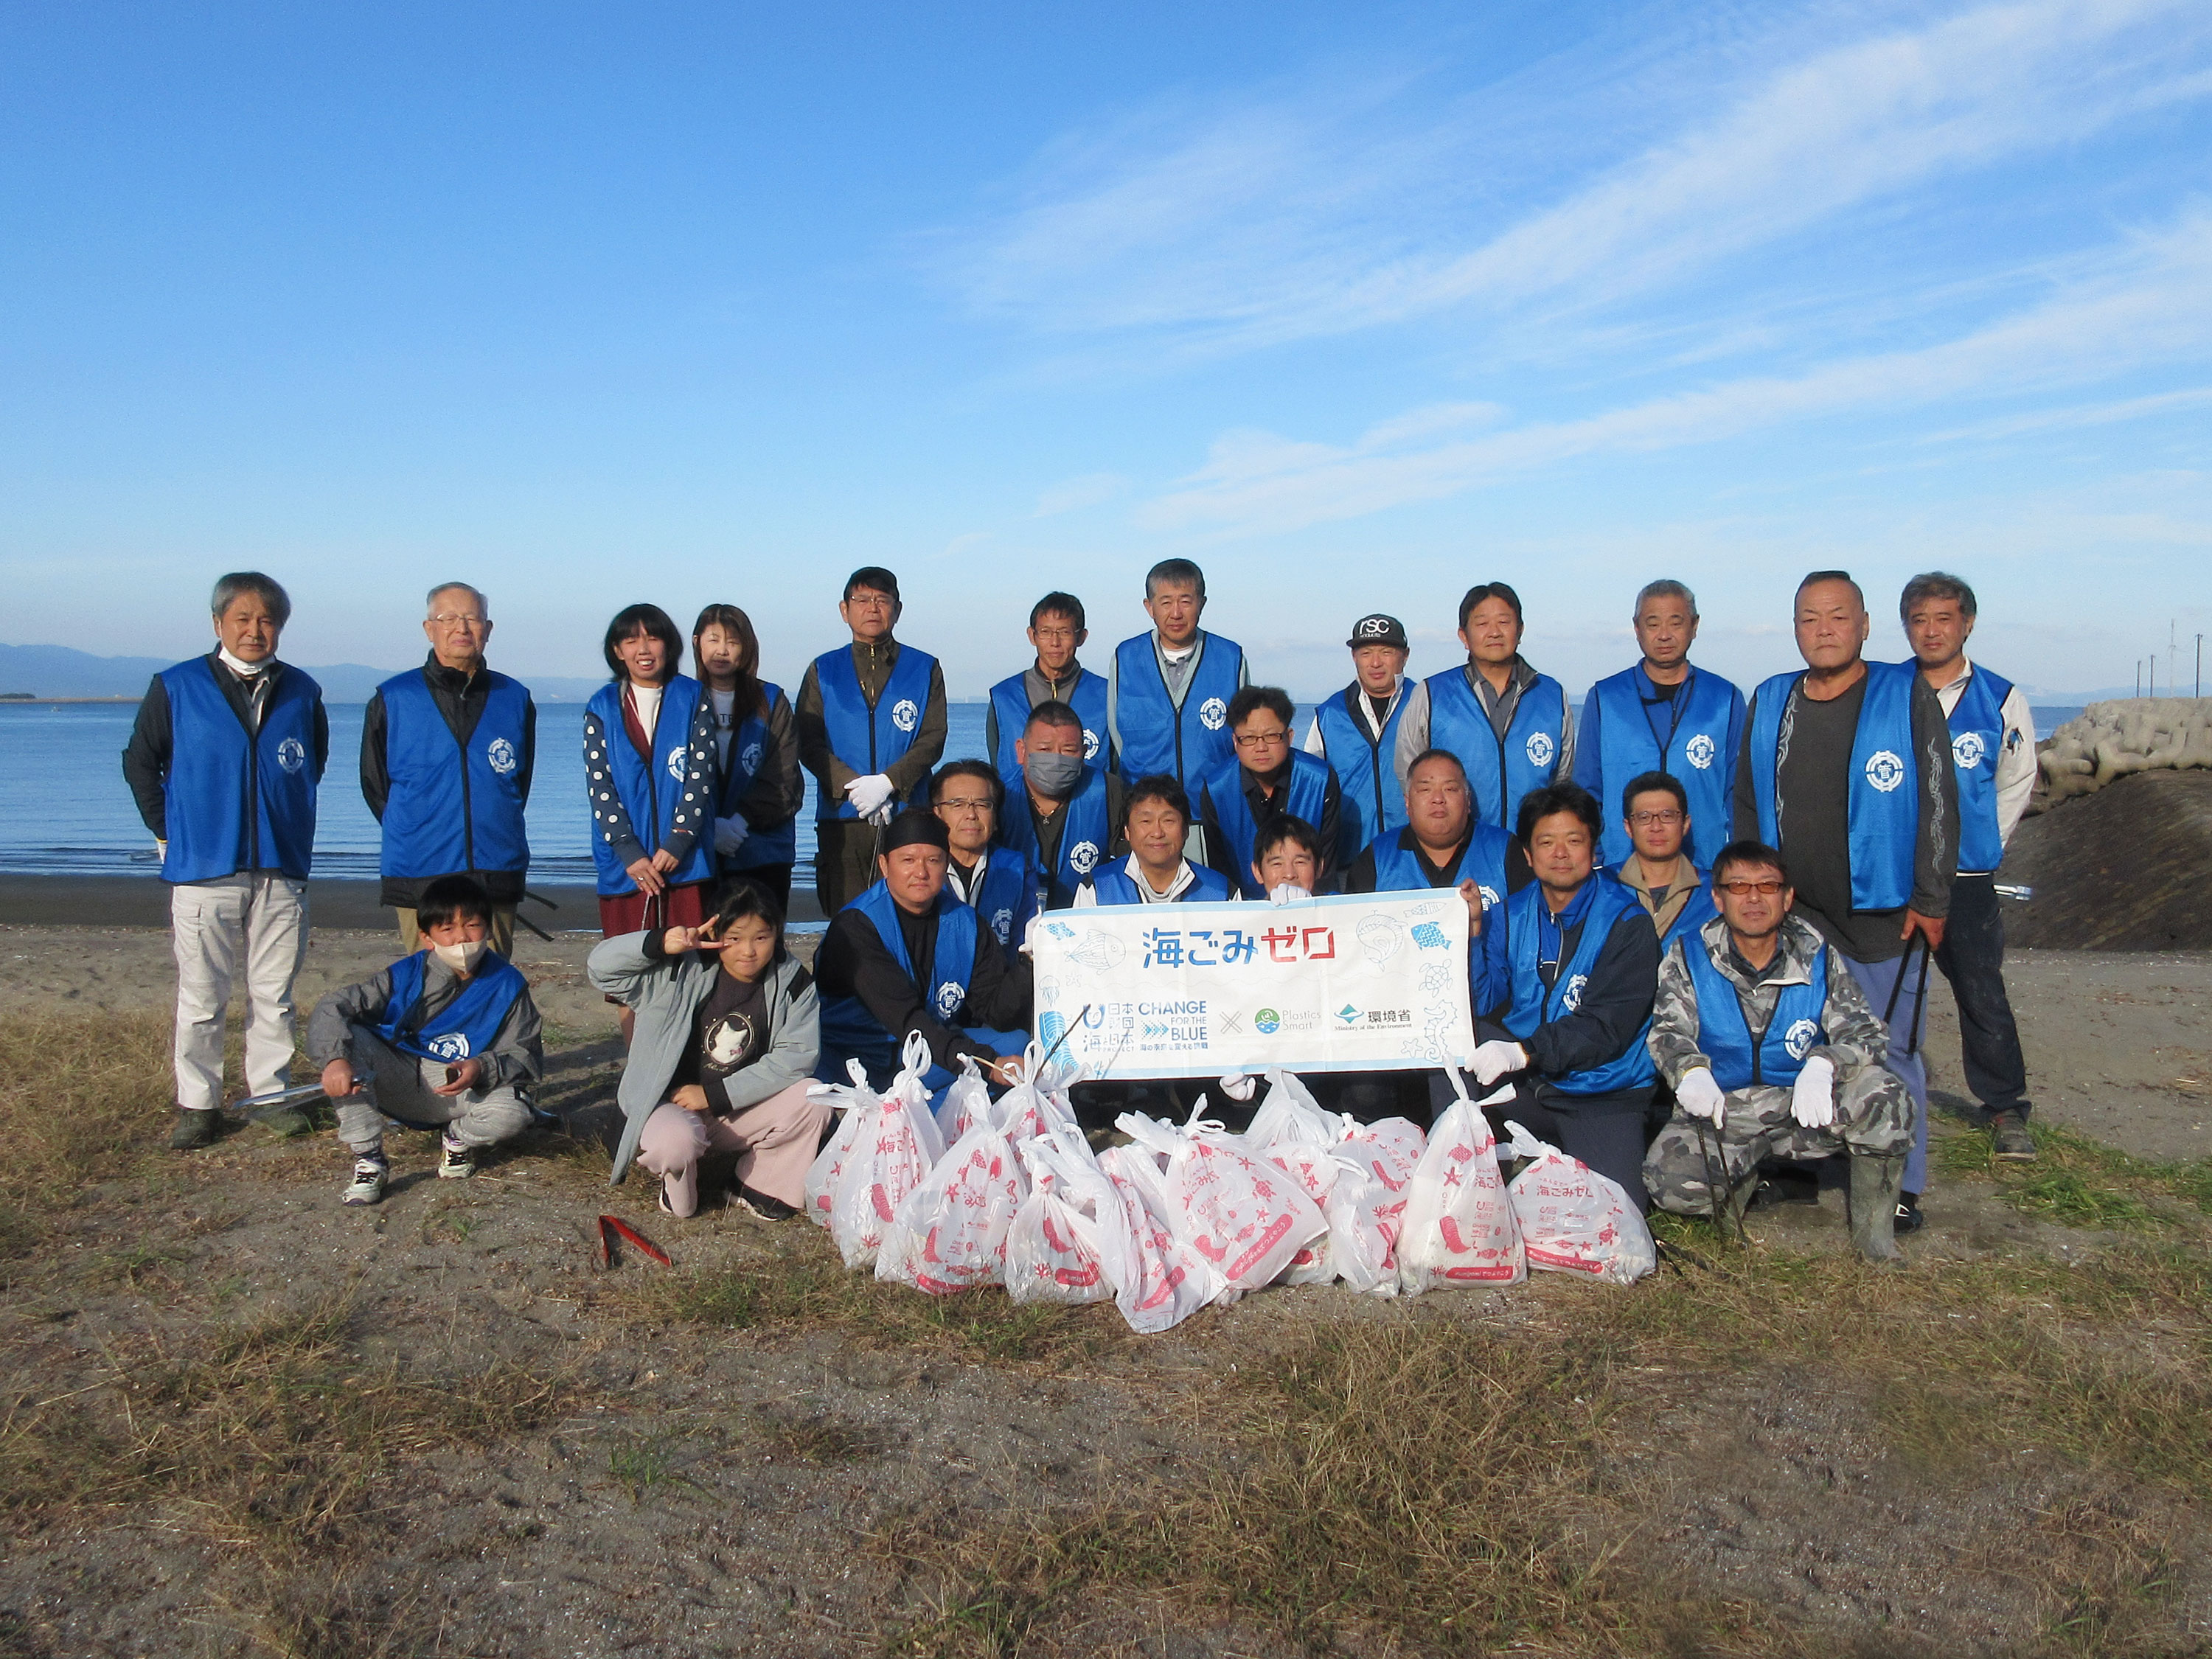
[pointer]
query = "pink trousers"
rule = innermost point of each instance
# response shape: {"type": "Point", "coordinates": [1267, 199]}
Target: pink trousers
{"type": "Point", "coordinates": [774, 1141]}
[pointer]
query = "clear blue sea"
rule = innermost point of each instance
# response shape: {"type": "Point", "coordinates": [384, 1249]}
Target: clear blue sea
{"type": "Point", "coordinates": [63, 807]}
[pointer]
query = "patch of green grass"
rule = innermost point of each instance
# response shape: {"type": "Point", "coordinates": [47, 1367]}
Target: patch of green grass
{"type": "Point", "coordinates": [2078, 1182]}
{"type": "Point", "coordinates": [641, 1465]}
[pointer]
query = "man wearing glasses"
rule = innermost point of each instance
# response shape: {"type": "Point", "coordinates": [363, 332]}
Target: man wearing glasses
{"type": "Point", "coordinates": [1272, 777]}
{"type": "Point", "coordinates": [1655, 812]}
{"type": "Point", "coordinates": [1057, 634]}
{"type": "Point", "coordinates": [446, 751]}
{"type": "Point", "coordinates": [997, 883]}
{"type": "Point", "coordinates": [1773, 1051]}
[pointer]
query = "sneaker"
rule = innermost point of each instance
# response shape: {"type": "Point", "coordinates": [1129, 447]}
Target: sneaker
{"type": "Point", "coordinates": [193, 1130]}
{"type": "Point", "coordinates": [368, 1177]}
{"type": "Point", "coordinates": [2009, 1131]}
{"type": "Point", "coordinates": [459, 1159]}
{"type": "Point", "coordinates": [766, 1208]}
{"type": "Point", "coordinates": [1909, 1218]}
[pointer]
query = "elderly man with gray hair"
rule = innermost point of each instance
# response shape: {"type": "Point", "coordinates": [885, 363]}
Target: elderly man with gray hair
{"type": "Point", "coordinates": [224, 763]}
{"type": "Point", "coordinates": [446, 757]}
{"type": "Point", "coordinates": [1661, 715]}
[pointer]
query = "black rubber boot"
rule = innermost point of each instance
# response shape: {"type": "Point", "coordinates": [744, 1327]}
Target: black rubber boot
{"type": "Point", "coordinates": [1875, 1184]}
{"type": "Point", "coordinates": [193, 1130]}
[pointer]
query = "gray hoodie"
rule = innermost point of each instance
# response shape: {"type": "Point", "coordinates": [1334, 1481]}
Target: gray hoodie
{"type": "Point", "coordinates": [665, 994]}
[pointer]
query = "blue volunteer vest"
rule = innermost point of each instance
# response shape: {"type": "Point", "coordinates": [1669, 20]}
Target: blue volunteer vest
{"type": "Point", "coordinates": [1499, 773]}
{"type": "Point", "coordinates": [1373, 800]}
{"type": "Point", "coordinates": [869, 740]}
{"type": "Point", "coordinates": [1115, 885]}
{"type": "Point", "coordinates": [1232, 814]}
{"type": "Point", "coordinates": [766, 843]}
{"type": "Point", "coordinates": [1010, 703]}
{"type": "Point", "coordinates": [649, 791]}
{"type": "Point", "coordinates": [1692, 737]}
{"type": "Point", "coordinates": [850, 1031]}
{"type": "Point", "coordinates": [1977, 735]}
{"type": "Point", "coordinates": [1190, 743]}
{"type": "Point", "coordinates": [465, 1027]}
{"type": "Point", "coordinates": [239, 799]}
{"type": "Point", "coordinates": [1724, 1037]}
{"type": "Point", "coordinates": [453, 808]}
{"type": "Point", "coordinates": [1398, 865]}
{"type": "Point", "coordinates": [1885, 799]}
{"type": "Point", "coordinates": [1008, 897]}
{"type": "Point", "coordinates": [1083, 842]}
{"type": "Point", "coordinates": [1532, 1005]}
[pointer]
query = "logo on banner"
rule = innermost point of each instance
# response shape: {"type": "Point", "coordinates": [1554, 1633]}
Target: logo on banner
{"type": "Point", "coordinates": [1089, 744]}
{"type": "Point", "coordinates": [1571, 998]}
{"type": "Point", "coordinates": [453, 1045]}
{"type": "Point", "coordinates": [949, 996]}
{"type": "Point", "coordinates": [501, 757]}
{"type": "Point", "coordinates": [905, 715]}
{"type": "Point", "coordinates": [1699, 752]}
{"type": "Point", "coordinates": [1884, 770]}
{"type": "Point", "coordinates": [1214, 714]}
{"type": "Point", "coordinates": [291, 754]}
{"type": "Point", "coordinates": [1266, 1021]}
{"type": "Point", "coordinates": [1798, 1039]}
{"type": "Point", "coordinates": [1541, 749]}
{"type": "Point", "coordinates": [1967, 749]}
{"type": "Point", "coordinates": [1348, 1014]}
{"type": "Point", "coordinates": [1083, 857]}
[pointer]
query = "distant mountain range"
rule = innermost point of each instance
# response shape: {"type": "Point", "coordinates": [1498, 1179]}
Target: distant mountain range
{"type": "Point", "coordinates": [56, 670]}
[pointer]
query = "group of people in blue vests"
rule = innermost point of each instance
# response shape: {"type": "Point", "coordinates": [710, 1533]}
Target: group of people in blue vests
{"type": "Point", "coordinates": [1696, 917]}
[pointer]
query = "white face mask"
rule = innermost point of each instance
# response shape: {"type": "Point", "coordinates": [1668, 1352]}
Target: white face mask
{"type": "Point", "coordinates": [462, 958]}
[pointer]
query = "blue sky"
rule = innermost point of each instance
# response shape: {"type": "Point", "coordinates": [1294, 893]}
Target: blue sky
{"type": "Point", "coordinates": [1354, 304]}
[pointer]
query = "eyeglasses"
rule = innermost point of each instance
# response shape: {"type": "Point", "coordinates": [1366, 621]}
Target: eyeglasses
{"type": "Point", "coordinates": [456, 619]}
{"type": "Point", "coordinates": [1261, 739]}
{"type": "Point", "coordinates": [1746, 889]}
{"type": "Point", "coordinates": [1670, 816]}
{"type": "Point", "coordinates": [962, 803]}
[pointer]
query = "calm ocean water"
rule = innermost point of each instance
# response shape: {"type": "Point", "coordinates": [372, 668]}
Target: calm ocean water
{"type": "Point", "coordinates": [63, 807]}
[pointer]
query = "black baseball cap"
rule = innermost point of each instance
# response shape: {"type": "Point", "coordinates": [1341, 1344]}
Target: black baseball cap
{"type": "Point", "coordinates": [1378, 630]}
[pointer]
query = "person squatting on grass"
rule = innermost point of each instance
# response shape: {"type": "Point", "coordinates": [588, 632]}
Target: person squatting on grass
{"type": "Point", "coordinates": [1772, 1052]}
{"type": "Point", "coordinates": [445, 1038]}
{"type": "Point", "coordinates": [722, 1056]}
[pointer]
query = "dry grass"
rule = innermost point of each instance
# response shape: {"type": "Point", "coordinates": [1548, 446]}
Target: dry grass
{"type": "Point", "coordinates": [83, 1098]}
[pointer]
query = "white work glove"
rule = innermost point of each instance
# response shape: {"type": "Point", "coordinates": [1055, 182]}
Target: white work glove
{"type": "Point", "coordinates": [1813, 1101]}
{"type": "Point", "coordinates": [730, 834]}
{"type": "Point", "coordinates": [1029, 935]}
{"type": "Point", "coordinates": [872, 797]}
{"type": "Point", "coordinates": [1286, 892]}
{"type": "Point", "coordinates": [1493, 1061]}
{"type": "Point", "coordinates": [1240, 1087]}
{"type": "Point", "coordinates": [1699, 1095]}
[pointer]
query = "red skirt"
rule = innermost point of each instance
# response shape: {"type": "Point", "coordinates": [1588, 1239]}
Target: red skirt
{"type": "Point", "coordinates": [635, 912]}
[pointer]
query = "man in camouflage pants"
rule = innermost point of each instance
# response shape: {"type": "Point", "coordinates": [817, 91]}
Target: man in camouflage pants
{"type": "Point", "coordinates": [1772, 1052]}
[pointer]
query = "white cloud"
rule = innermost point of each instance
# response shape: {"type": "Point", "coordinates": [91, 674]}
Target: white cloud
{"type": "Point", "coordinates": [2150, 309]}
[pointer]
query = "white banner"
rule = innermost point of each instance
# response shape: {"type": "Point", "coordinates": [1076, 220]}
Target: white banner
{"type": "Point", "coordinates": [1356, 983]}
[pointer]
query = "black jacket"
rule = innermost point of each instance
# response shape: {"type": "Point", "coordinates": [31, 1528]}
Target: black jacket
{"type": "Point", "coordinates": [853, 962]}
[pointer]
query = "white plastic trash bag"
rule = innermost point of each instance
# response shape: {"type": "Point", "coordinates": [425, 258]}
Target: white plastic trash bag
{"type": "Point", "coordinates": [1317, 1170]}
{"type": "Point", "coordinates": [966, 1102]}
{"type": "Point", "coordinates": [1574, 1220]}
{"type": "Point", "coordinates": [1058, 1248]}
{"type": "Point", "coordinates": [1366, 1204]}
{"type": "Point", "coordinates": [1242, 1213]}
{"type": "Point", "coordinates": [859, 1104]}
{"type": "Point", "coordinates": [1459, 1228]}
{"type": "Point", "coordinates": [892, 1152]}
{"type": "Point", "coordinates": [1289, 1113]}
{"type": "Point", "coordinates": [950, 1233]}
{"type": "Point", "coordinates": [1161, 1280]}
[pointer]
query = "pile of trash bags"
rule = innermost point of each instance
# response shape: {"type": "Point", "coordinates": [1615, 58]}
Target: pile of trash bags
{"type": "Point", "coordinates": [980, 1192]}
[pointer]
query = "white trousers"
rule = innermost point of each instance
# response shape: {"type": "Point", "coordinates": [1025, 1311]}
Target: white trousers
{"type": "Point", "coordinates": [262, 918]}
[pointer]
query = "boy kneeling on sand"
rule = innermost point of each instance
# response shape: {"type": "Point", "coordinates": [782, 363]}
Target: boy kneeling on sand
{"type": "Point", "coordinates": [446, 1038]}
{"type": "Point", "coordinates": [721, 1056]}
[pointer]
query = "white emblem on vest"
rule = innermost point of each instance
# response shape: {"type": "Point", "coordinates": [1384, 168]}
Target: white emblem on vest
{"type": "Point", "coordinates": [678, 763]}
{"type": "Point", "coordinates": [1489, 899]}
{"type": "Point", "coordinates": [291, 754]}
{"type": "Point", "coordinates": [1798, 1039]}
{"type": "Point", "coordinates": [1571, 998]}
{"type": "Point", "coordinates": [1884, 770]}
{"type": "Point", "coordinates": [1083, 856]}
{"type": "Point", "coordinates": [949, 999]}
{"type": "Point", "coordinates": [1967, 749]}
{"type": "Point", "coordinates": [1539, 749]}
{"type": "Point", "coordinates": [452, 1047]}
{"type": "Point", "coordinates": [1090, 743]}
{"type": "Point", "coordinates": [500, 753]}
{"type": "Point", "coordinates": [905, 715]}
{"type": "Point", "coordinates": [1699, 752]}
{"type": "Point", "coordinates": [749, 759]}
{"type": "Point", "coordinates": [1002, 924]}
{"type": "Point", "coordinates": [1213, 713]}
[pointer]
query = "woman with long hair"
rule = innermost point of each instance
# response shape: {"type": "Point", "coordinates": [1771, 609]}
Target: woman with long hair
{"type": "Point", "coordinates": [757, 792]}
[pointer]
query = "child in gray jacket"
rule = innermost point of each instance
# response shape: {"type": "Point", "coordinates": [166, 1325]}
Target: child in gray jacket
{"type": "Point", "coordinates": [722, 1054]}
